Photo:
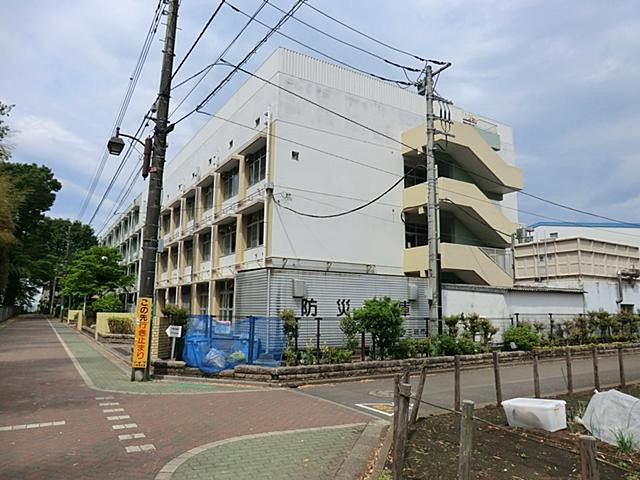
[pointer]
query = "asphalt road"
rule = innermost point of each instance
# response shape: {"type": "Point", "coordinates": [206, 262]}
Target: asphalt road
{"type": "Point", "coordinates": [478, 384]}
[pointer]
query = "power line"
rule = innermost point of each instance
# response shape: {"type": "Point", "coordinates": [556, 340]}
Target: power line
{"type": "Point", "coordinates": [205, 71]}
{"type": "Point", "coordinates": [379, 42]}
{"type": "Point", "coordinates": [326, 55]}
{"type": "Point", "coordinates": [198, 38]}
{"type": "Point", "coordinates": [356, 47]}
{"type": "Point", "coordinates": [247, 57]}
{"type": "Point", "coordinates": [133, 81]}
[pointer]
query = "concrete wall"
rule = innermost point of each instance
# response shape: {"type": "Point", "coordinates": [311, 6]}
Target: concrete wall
{"type": "Point", "coordinates": [75, 315]}
{"type": "Point", "coordinates": [102, 321]}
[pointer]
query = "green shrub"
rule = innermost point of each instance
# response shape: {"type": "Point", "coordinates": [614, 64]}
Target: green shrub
{"type": "Point", "coordinates": [177, 316]}
{"type": "Point", "coordinates": [446, 344]}
{"type": "Point", "coordinates": [108, 303]}
{"type": "Point", "coordinates": [523, 335]}
{"type": "Point", "coordinates": [337, 355]}
{"type": "Point", "coordinates": [452, 321]}
{"type": "Point", "coordinates": [382, 319]}
{"type": "Point", "coordinates": [120, 325]}
{"type": "Point", "coordinates": [350, 327]}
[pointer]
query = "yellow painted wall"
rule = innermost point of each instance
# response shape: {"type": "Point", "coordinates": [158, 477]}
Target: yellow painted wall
{"type": "Point", "coordinates": [102, 320]}
{"type": "Point", "coordinates": [75, 315]}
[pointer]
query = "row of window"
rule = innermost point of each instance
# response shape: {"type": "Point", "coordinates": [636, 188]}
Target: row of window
{"type": "Point", "coordinates": [254, 234]}
{"type": "Point", "coordinates": [256, 165]}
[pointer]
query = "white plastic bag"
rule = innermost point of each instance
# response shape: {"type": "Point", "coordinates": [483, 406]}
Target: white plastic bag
{"type": "Point", "coordinates": [611, 415]}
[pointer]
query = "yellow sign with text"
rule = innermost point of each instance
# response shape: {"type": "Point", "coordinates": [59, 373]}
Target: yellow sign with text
{"type": "Point", "coordinates": [141, 340]}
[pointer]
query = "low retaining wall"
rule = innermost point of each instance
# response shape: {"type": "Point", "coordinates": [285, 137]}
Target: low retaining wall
{"type": "Point", "coordinates": [114, 338]}
{"type": "Point", "coordinates": [102, 321]}
{"type": "Point", "coordinates": [305, 374]}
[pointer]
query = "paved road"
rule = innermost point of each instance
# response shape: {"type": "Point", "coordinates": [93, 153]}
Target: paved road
{"type": "Point", "coordinates": [478, 385]}
{"type": "Point", "coordinates": [68, 411]}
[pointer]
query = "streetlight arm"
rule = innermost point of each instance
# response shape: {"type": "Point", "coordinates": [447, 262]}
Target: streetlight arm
{"type": "Point", "coordinates": [119, 134]}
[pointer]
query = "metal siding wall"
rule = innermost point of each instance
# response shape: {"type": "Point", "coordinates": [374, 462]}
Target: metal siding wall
{"type": "Point", "coordinates": [251, 293]}
{"type": "Point", "coordinates": [328, 287]}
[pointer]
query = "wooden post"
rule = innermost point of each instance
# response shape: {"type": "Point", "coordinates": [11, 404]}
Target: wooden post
{"type": "Point", "coordinates": [418, 395]}
{"type": "Point", "coordinates": [569, 371]}
{"type": "Point", "coordinates": [588, 462]}
{"type": "Point", "coordinates": [536, 375]}
{"type": "Point", "coordinates": [406, 375]}
{"type": "Point", "coordinates": [456, 383]}
{"type": "Point", "coordinates": [400, 443]}
{"type": "Point", "coordinates": [596, 374]}
{"type": "Point", "coordinates": [396, 403]}
{"type": "Point", "coordinates": [496, 376]}
{"type": "Point", "coordinates": [623, 380]}
{"type": "Point", "coordinates": [362, 347]}
{"type": "Point", "coordinates": [466, 434]}
{"type": "Point", "coordinates": [551, 323]}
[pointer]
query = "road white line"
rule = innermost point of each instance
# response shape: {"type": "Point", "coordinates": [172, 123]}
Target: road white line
{"type": "Point", "coordinates": [75, 362]}
{"type": "Point", "coordinates": [372, 409]}
{"type": "Point", "coordinates": [31, 426]}
{"type": "Point", "coordinates": [119, 417]}
{"type": "Point", "coordinates": [112, 410]}
{"type": "Point", "coordinates": [104, 398]}
{"type": "Point", "coordinates": [108, 404]}
{"type": "Point", "coordinates": [140, 448]}
{"type": "Point", "coordinates": [131, 436]}
{"type": "Point", "coordinates": [125, 425]}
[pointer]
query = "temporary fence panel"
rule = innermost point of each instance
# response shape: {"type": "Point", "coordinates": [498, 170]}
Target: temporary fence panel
{"type": "Point", "coordinates": [213, 345]}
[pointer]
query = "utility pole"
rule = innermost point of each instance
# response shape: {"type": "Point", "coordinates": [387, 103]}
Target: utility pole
{"type": "Point", "coordinates": [154, 197]}
{"type": "Point", "coordinates": [427, 89]}
{"type": "Point", "coordinates": [433, 230]}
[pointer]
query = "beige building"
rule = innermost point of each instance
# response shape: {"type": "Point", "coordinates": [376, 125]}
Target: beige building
{"type": "Point", "coordinates": [608, 272]}
{"type": "Point", "coordinates": [475, 229]}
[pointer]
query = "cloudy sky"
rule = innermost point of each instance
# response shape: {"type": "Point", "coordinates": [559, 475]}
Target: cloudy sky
{"type": "Point", "coordinates": [565, 75]}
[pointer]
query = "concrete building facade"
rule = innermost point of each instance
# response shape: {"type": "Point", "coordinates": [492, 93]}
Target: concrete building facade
{"type": "Point", "coordinates": [125, 234]}
{"type": "Point", "coordinates": [608, 272]}
{"type": "Point", "coordinates": [241, 196]}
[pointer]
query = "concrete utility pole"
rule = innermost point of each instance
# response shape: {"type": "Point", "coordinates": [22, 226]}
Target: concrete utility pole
{"type": "Point", "coordinates": [66, 270]}
{"type": "Point", "coordinates": [154, 198]}
{"type": "Point", "coordinates": [433, 230]}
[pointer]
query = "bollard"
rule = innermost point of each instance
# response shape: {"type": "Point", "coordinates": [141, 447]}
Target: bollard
{"type": "Point", "coordinates": [496, 376]}
{"type": "Point", "coordinates": [466, 441]}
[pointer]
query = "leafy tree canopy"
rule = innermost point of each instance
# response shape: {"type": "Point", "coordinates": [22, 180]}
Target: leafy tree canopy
{"type": "Point", "coordinates": [96, 271]}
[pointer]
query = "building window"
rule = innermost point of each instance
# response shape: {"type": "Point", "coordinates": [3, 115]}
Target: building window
{"type": "Point", "coordinates": [174, 258]}
{"type": "Point", "coordinates": [256, 166]}
{"type": "Point", "coordinates": [205, 252]}
{"type": "Point", "coordinates": [255, 229]}
{"type": "Point", "coordinates": [229, 182]}
{"type": "Point", "coordinates": [207, 197]}
{"type": "Point", "coordinates": [414, 176]}
{"type": "Point", "coordinates": [228, 238]}
{"type": "Point", "coordinates": [190, 208]}
{"type": "Point", "coordinates": [188, 254]}
{"type": "Point", "coordinates": [626, 307]}
{"type": "Point", "coordinates": [186, 298]}
{"type": "Point", "coordinates": [203, 300]}
{"type": "Point", "coordinates": [415, 235]}
{"type": "Point", "coordinates": [226, 301]}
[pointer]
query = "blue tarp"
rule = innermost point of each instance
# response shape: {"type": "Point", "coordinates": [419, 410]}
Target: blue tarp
{"type": "Point", "coordinates": [213, 345]}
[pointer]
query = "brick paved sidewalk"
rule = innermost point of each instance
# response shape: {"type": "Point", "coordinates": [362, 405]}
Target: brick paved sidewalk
{"type": "Point", "coordinates": [314, 454]}
{"type": "Point", "coordinates": [103, 374]}
{"type": "Point", "coordinates": [79, 432]}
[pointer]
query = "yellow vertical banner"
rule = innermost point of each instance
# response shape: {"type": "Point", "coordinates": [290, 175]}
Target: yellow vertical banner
{"type": "Point", "coordinates": [141, 340]}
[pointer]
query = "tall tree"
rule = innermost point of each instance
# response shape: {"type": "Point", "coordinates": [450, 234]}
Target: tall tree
{"type": "Point", "coordinates": [5, 147]}
{"type": "Point", "coordinates": [34, 188]}
{"type": "Point", "coordinates": [96, 271]}
{"type": "Point", "coordinates": [8, 201]}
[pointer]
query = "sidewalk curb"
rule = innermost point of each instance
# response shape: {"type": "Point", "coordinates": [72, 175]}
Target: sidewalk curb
{"type": "Point", "coordinates": [363, 452]}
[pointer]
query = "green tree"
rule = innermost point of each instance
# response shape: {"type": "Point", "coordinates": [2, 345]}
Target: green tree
{"type": "Point", "coordinates": [108, 303]}
{"type": "Point", "coordinates": [382, 318]}
{"type": "Point", "coordinates": [96, 271]}
{"type": "Point", "coordinates": [33, 191]}
{"type": "Point", "coordinates": [5, 148]}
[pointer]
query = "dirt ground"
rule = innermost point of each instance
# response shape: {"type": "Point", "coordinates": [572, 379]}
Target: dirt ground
{"type": "Point", "coordinates": [515, 454]}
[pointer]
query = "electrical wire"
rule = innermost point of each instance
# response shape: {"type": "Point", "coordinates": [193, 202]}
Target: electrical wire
{"type": "Point", "coordinates": [319, 52]}
{"type": "Point", "coordinates": [379, 42]}
{"type": "Point", "coordinates": [133, 81]}
{"type": "Point", "coordinates": [405, 68]}
{"type": "Point", "coordinates": [248, 56]}
{"type": "Point", "coordinates": [206, 70]}
{"type": "Point", "coordinates": [198, 38]}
